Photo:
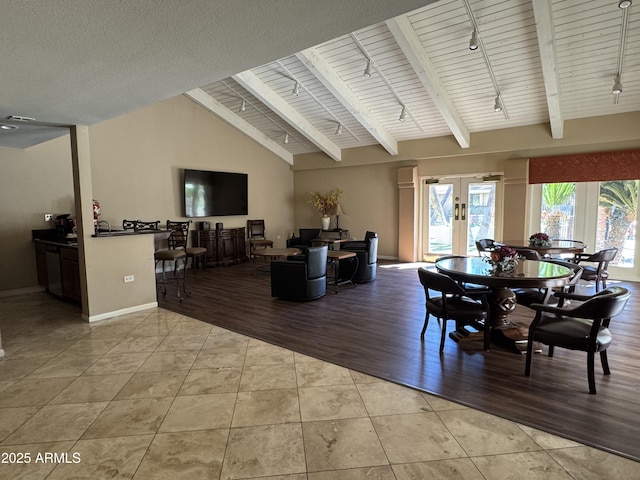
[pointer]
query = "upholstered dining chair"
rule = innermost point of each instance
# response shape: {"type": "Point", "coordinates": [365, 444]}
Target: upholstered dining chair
{"type": "Point", "coordinates": [600, 263]}
{"type": "Point", "coordinates": [452, 302]}
{"type": "Point", "coordinates": [583, 327]}
{"type": "Point", "coordinates": [526, 296]}
{"type": "Point", "coordinates": [256, 234]}
{"type": "Point", "coordinates": [486, 245]}
{"type": "Point", "coordinates": [300, 277]}
{"type": "Point", "coordinates": [180, 239]}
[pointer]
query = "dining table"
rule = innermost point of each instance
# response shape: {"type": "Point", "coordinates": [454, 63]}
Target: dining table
{"type": "Point", "coordinates": [501, 299]}
{"type": "Point", "coordinates": [557, 247]}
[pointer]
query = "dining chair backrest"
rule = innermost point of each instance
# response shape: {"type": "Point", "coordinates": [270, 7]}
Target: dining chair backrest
{"type": "Point", "coordinates": [439, 282]}
{"type": "Point", "coordinates": [179, 233]}
{"type": "Point", "coordinates": [528, 253]}
{"type": "Point", "coordinates": [486, 245]}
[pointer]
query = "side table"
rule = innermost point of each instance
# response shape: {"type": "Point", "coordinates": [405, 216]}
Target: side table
{"type": "Point", "coordinates": [333, 259]}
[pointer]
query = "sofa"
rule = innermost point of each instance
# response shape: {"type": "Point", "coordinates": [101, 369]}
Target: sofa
{"type": "Point", "coordinates": [300, 277]}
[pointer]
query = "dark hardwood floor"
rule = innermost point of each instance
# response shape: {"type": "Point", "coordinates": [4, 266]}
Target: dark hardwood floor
{"type": "Point", "coordinates": [375, 329]}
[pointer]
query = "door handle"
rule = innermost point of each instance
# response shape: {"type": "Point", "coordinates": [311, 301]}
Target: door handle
{"type": "Point", "coordinates": [464, 211]}
{"type": "Point", "coordinates": [456, 211]}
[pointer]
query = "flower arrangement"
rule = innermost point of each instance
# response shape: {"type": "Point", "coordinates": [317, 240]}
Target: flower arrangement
{"type": "Point", "coordinates": [503, 259]}
{"type": "Point", "coordinates": [325, 202]}
{"type": "Point", "coordinates": [540, 240]}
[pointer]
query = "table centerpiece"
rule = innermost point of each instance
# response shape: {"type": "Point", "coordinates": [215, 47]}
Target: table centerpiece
{"type": "Point", "coordinates": [540, 240]}
{"type": "Point", "coordinates": [502, 259]}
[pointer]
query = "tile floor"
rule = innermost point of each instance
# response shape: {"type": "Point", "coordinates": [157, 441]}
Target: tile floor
{"type": "Point", "coordinates": [156, 395]}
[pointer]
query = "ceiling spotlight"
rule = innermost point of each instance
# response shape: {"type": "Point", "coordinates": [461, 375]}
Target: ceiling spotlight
{"type": "Point", "coordinates": [296, 89]}
{"type": "Point", "coordinates": [624, 4]}
{"type": "Point", "coordinates": [617, 86]}
{"type": "Point", "coordinates": [243, 106]}
{"type": "Point", "coordinates": [403, 114]}
{"type": "Point", "coordinates": [473, 43]}
{"type": "Point", "coordinates": [339, 129]}
{"type": "Point", "coordinates": [367, 70]}
{"type": "Point", "coordinates": [497, 106]}
{"type": "Point", "coordinates": [4, 126]}
{"type": "Point", "coordinates": [286, 138]}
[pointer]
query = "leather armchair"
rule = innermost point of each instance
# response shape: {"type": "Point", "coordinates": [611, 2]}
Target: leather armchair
{"type": "Point", "coordinates": [305, 238]}
{"type": "Point", "coordinates": [367, 261]}
{"type": "Point", "coordinates": [301, 277]}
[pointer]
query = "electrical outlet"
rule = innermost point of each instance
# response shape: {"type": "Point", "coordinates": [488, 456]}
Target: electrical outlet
{"type": "Point", "coordinates": [128, 278]}
{"type": "Point", "coordinates": [48, 217]}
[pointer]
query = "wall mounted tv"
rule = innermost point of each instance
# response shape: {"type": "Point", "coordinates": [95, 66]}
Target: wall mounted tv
{"type": "Point", "coordinates": [214, 194]}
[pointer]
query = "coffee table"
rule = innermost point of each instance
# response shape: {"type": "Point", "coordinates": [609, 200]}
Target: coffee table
{"type": "Point", "coordinates": [274, 254]}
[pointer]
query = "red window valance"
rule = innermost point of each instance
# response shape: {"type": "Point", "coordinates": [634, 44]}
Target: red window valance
{"type": "Point", "coordinates": [586, 167]}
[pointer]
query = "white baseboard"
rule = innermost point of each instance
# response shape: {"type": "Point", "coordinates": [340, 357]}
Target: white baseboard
{"type": "Point", "coordinates": [117, 313]}
{"type": "Point", "coordinates": [22, 291]}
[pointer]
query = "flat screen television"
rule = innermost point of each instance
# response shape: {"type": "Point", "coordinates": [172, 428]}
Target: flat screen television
{"type": "Point", "coordinates": [215, 194]}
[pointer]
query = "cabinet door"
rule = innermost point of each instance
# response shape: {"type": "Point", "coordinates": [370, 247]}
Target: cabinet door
{"type": "Point", "coordinates": [41, 265]}
{"type": "Point", "coordinates": [70, 272]}
{"type": "Point", "coordinates": [207, 239]}
{"type": "Point", "coordinates": [227, 246]}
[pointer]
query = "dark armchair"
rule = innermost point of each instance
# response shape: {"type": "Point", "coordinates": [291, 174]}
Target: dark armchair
{"type": "Point", "coordinates": [304, 239]}
{"type": "Point", "coordinates": [300, 277]}
{"type": "Point", "coordinates": [584, 327]}
{"type": "Point", "coordinates": [597, 271]}
{"type": "Point", "coordinates": [366, 266]}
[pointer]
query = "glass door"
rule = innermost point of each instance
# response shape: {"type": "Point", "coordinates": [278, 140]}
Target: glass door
{"type": "Point", "coordinates": [457, 211]}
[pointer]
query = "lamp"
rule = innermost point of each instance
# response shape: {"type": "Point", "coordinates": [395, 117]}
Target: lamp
{"type": "Point", "coordinates": [497, 106]}
{"type": "Point", "coordinates": [367, 70]}
{"type": "Point", "coordinates": [624, 4]}
{"type": "Point", "coordinates": [337, 211]}
{"type": "Point", "coordinates": [617, 86]}
{"type": "Point", "coordinates": [296, 89]}
{"type": "Point", "coordinates": [243, 106]}
{"type": "Point", "coordinates": [473, 43]}
{"type": "Point", "coordinates": [286, 138]}
{"type": "Point", "coordinates": [403, 114]}
{"type": "Point", "coordinates": [339, 129]}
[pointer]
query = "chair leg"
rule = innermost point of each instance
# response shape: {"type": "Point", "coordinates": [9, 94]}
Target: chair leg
{"type": "Point", "coordinates": [550, 351]}
{"type": "Point", "coordinates": [424, 328]}
{"type": "Point", "coordinates": [605, 362]}
{"type": "Point", "coordinates": [591, 372]}
{"type": "Point", "coordinates": [487, 334]}
{"type": "Point", "coordinates": [527, 365]}
{"type": "Point", "coordinates": [443, 335]}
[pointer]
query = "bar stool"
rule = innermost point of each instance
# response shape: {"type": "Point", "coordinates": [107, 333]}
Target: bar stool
{"type": "Point", "coordinates": [172, 255]}
{"type": "Point", "coordinates": [180, 239]}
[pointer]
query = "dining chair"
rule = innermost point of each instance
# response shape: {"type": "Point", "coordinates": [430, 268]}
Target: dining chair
{"type": "Point", "coordinates": [256, 234]}
{"type": "Point", "coordinates": [584, 327]}
{"type": "Point", "coordinates": [527, 296]}
{"type": "Point", "coordinates": [180, 239]}
{"type": "Point", "coordinates": [454, 303]}
{"type": "Point", "coordinates": [486, 245]}
{"type": "Point", "coordinates": [600, 263]}
{"type": "Point", "coordinates": [528, 253]}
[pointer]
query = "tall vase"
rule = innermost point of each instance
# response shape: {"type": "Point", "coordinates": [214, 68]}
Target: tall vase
{"type": "Point", "coordinates": [326, 220]}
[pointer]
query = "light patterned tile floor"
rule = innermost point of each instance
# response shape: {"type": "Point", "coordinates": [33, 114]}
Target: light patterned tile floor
{"type": "Point", "coordinates": [155, 395]}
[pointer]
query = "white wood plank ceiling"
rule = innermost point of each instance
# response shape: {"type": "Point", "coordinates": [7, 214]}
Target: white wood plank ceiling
{"type": "Point", "coordinates": [549, 61]}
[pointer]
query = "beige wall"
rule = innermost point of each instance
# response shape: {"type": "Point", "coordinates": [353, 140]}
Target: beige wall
{"type": "Point", "coordinates": [134, 166]}
{"type": "Point", "coordinates": [33, 182]}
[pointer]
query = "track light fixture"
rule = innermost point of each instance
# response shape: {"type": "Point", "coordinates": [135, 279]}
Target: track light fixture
{"type": "Point", "coordinates": [286, 138]}
{"type": "Point", "coordinates": [296, 89]}
{"type": "Point", "coordinates": [473, 43]}
{"type": "Point", "coordinates": [243, 106]}
{"type": "Point", "coordinates": [624, 4]}
{"type": "Point", "coordinates": [497, 106]}
{"type": "Point", "coordinates": [367, 70]}
{"type": "Point", "coordinates": [403, 114]}
{"type": "Point", "coordinates": [617, 86]}
{"type": "Point", "coordinates": [339, 129]}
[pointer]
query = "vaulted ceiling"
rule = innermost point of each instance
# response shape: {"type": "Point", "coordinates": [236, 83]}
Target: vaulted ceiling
{"type": "Point", "coordinates": [542, 61]}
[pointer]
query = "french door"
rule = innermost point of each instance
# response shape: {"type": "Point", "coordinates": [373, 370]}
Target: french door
{"type": "Point", "coordinates": [456, 211]}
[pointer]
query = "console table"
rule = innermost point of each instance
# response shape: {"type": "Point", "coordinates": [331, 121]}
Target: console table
{"type": "Point", "coordinates": [224, 246]}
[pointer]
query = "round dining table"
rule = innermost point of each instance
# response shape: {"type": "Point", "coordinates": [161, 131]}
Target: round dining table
{"type": "Point", "coordinates": [557, 247]}
{"type": "Point", "coordinates": [502, 300]}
